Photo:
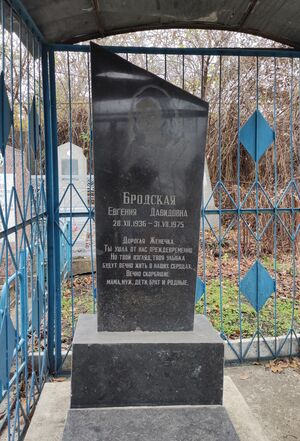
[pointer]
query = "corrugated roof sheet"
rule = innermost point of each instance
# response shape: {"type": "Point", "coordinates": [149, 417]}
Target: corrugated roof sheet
{"type": "Point", "coordinates": [70, 21]}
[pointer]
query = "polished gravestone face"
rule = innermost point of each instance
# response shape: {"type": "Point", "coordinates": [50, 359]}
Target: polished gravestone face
{"type": "Point", "coordinates": [149, 142]}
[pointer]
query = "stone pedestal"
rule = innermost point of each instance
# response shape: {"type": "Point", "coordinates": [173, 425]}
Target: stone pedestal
{"type": "Point", "coordinates": [187, 423]}
{"type": "Point", "coordinates": [139, 368]}
{"type": "Point", "coordinates": [147, 386]}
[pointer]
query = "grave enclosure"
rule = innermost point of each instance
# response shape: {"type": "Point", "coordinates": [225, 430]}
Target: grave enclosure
{"type": "Point", "coordinates": [147, 348]}
{"type": "Point", "coordinates": [45, 78]}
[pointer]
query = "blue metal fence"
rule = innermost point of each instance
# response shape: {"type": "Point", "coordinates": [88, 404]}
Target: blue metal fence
{"type": "Point", "coordinates": [248, 276]}
{"type": "Point", "coordinates": [23, 239]}
{"type": "Point", "coordinates": [250, 290]}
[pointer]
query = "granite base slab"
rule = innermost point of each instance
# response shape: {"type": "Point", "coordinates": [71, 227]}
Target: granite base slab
{"type": "Point", "coordinates": [111, 369]}
{"type": "Point", "coordinates": [188, 423]}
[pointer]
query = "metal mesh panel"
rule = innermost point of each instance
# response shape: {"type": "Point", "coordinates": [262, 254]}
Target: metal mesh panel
{"type": "Point", "coordinates": [247, 274]}
{"type": "Point", "coordinates": [23, 239]}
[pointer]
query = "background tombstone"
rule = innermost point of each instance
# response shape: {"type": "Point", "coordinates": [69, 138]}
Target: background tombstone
{"type": "Point", "coordinates": [75, 173]}
{"type": "Point", "coordinates": [209, 201]}
{"type": "Point", "coordinates": [6, 195]}
{"type": "Point", "coordinates": [14, 162]}
{"type": "Point", "coordinates": [12, 155]}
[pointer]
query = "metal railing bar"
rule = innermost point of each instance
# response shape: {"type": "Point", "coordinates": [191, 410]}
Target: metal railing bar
{"type": "Point", "coordinates": [248, 52]}
{"type": "Point", "coordinates": [22, 225]}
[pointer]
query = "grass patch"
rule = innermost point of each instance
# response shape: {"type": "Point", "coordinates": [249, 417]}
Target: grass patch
{"type": "Point", "coordinates": [230, 312]}
{"type": "Point", "coordinates": [81, 292]}
{"type": "Point", "coordinates": [82, 303]}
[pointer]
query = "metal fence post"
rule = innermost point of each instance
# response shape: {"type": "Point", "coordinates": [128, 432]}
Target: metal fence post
{"type": "Point", "coordinates": [24, 297]}
{"type": "Point", "coordinates": [50, 211]}
{"type": "Point", "coordinates": [55, 195]}
{"type": "Point", "coordinates": [54, 297]}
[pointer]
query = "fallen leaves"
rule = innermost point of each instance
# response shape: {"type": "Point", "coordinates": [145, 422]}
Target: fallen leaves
{"type": "Point", "coordinates": [58, 379]}
{"type": "Point", "coordinates": [278, 366]}
{"type": "Point", "coordinates": [244, 376]}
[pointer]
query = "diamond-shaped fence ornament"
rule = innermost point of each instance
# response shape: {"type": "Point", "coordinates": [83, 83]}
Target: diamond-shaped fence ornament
{"type": "Point", "coordinates": [256, 135]}
{"type": "Point", "coordinates": [34, 127]}
{"type": "Point", "coordinates": [257, 286]}
{"type": "Point", "coordinates": [6, 116]}
{"type": "Point", "coordinates": [199, 289]}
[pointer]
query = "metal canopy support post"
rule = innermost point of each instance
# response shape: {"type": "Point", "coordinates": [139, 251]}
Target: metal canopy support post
{"type": "Point", "coordinates": [50, 210]}
{"type": "Point", "coordinates": [54, 295]}
{"type": "Point", "coordinates": [55, 195]}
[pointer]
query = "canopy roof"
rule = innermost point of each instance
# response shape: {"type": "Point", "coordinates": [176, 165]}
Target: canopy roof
{"type": "Point", "coordinates": [70, 21]}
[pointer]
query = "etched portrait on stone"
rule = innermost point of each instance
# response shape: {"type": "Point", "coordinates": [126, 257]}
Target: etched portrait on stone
{"type": "Point", "coordinates": [151, 153]}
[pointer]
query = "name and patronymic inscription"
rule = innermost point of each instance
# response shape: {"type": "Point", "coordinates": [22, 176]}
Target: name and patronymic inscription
{"type": "Point", "coordinates": [151, 261]}
{"type": "Point", "coordinates": [148, 199]}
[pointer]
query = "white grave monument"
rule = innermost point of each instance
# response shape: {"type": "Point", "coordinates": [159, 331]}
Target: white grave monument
{"type": "Point", "coordinates": [9, 184]}
{"type": "Point", "coordinates": [13, 159]}
{"type": "Point", "coordinates": [72, 165]}
{"type": "Point", "coordinates": [208, 200]}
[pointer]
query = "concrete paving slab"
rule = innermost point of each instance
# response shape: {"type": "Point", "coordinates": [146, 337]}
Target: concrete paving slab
{"type": "Point", "coordinates": [50, 414]}
{"type": "Point", "coordinates": [274, 399]}
{"type": "Point", "coordinates": [49, 418]}
{"type": "Point", "coordinates": [245, 424]}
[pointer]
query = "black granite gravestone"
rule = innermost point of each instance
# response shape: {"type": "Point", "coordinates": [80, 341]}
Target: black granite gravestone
{"type": "Point", "coordinates": [149, 142]}
{"type": "Point", "coordinates": [149, 139]}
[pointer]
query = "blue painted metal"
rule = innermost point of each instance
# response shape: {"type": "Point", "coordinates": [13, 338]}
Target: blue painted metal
{"type": "Point", "coordinates": [256, 135]}
{"type": "Point", "coordinates": [200, 289]}
{"type": "Point", "coordinates": [37, 307]}
{"type": "Point", "coordinates": [7, 333]}
{"type": "Point", "coordinates": [23, 346]}
{"type": "Point", "coordinates": [7, 337]}
{"type": "Point", "coordinates": [6, 115]}
{"type": "Point", "coordinates": [34, 128]}
{"type": "Point", "coordinates": [50, 211]}
{"type": "Point", "coordinates": [234, 52]}
{"type": "Point", "coordinates": [65, 255]}
{"type": "Point", "coordinates": [38, 294]}
{"type": "Point", "coordinates": [292, 191]}
{"type": "Point", "coordinates": [70, 189]}
{"type": "Point", "coordinates": [55, 194]}
{"type": "Point", "coordinates": [30, 24]}
{"type": "Point", "coordinates": [257, 285]}
{"type": "Point", "coordinates": [24, 296]}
